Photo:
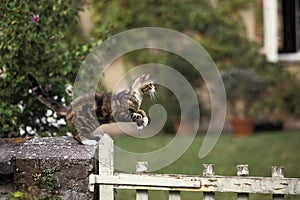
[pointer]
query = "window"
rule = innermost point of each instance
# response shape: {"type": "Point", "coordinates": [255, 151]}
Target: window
{"type": "Point", "coordinates": [282, 30]}
{"type": "Point", "coordinates": [290, 28]}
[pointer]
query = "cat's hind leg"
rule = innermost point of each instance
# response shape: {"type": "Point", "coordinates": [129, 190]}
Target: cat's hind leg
{"type": "Point", "coordinates": [77, 138]}
{"type": "Point", "coordinates": [93, 137]}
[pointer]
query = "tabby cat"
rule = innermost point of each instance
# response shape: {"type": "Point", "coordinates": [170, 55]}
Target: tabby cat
{"type": "Point", "coordinates": [87, 112]}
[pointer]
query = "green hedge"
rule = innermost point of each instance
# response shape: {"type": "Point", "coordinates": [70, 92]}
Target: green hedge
{"type": "Point", "coordinates": [35, 38]}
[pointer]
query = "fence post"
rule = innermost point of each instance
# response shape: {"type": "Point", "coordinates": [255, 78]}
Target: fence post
{"type": "Point", "coordinates": [106, 166]}
{"type": "Point", "coordinates": [242, 170]}
{"type": "Point", "coordinates": [208, 170]}
{"type": "Point", "coordinates": [141, 167]}
{"type": "Point", "coordinates": [278, 172]}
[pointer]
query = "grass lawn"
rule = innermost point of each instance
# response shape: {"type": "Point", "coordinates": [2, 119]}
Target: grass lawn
{"type": "Point", "coordinates": [260, 151]}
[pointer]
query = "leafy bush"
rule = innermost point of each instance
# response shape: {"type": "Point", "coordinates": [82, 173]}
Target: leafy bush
{"type": "Point", "coordinates": [243, 89]}
{"type": "Point", "coordinates": [217, 27]}
{"type": "Point", "coordinates": [34, 39]}
{"type": "Point", "coordinates": [38, 37]}
{"type": "Point", "coordinates": [281, 93]}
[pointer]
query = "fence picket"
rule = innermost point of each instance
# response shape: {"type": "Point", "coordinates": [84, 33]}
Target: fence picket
{"type": "Point", "coordinates": [141, 194]}
{"type": "Point", "coordinates": [208, 183]}
{"type": "Point", "coordinates": [278, 172]}
{"type": "Point", "coordinates": [106, 166]}
{"type": "Point", "coordinates": [174, 195]}
{"type": "Point", "coordinates": [141, 167]}
{"type": "Point", "coordinates": [208, 170]}
{"type": "Point", "coordinates": [242, 170]}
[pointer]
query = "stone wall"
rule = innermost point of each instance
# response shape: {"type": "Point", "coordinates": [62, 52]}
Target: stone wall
{"type": "Point", "coordinates": [47, 168]}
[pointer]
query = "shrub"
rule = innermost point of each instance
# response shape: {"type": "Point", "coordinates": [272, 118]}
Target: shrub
{"type": "Point", "coordinates": [34, 39]}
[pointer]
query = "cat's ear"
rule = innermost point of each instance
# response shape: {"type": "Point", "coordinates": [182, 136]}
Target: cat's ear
{"type": "Point", "coordinates": [144, 77]}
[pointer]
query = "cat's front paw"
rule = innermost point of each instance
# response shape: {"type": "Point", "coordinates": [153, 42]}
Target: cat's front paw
{"type": "Point", "coordinates": [145, 121]}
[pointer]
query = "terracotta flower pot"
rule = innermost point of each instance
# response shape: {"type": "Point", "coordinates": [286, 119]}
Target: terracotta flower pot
{"type": "Point", "coordinates": [242, 126]}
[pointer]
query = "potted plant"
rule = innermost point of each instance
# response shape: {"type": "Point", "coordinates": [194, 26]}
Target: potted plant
{"type": "Point", "coordinates": [243, 88]}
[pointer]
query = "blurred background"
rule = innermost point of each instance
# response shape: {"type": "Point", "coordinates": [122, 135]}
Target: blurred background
{"type": "Point", "coordinates": [254, 43]}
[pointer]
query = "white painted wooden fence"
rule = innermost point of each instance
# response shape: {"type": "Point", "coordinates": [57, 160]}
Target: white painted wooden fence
{"type": "Point", "coordinates": [208, 183]}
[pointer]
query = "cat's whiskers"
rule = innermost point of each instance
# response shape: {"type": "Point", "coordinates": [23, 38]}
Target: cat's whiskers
{"type": "Point", "coordinates": [152, 96]}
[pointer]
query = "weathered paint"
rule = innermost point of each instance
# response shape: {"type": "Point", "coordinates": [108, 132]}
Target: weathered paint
{"type": "Point", "coordinates": [263, 185]}
{"type": "Point", "coordinates": [208, 183]}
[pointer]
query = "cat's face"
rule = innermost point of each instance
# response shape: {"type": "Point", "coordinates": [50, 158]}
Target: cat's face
{"type": "Point", "coordinates": [144, 85]}
{"type": "Point", "coordinates": [148, 88]}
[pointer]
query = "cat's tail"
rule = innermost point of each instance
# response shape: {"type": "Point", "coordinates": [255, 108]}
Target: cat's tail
{"type": "Point", "coordinates": [43, 98]}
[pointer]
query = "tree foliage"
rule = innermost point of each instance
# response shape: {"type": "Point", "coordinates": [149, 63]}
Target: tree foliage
{"type": "Point", "coordinates": [34, 39]}
{"type": "Point", "coordinates": [216, 25]}
{"type": "Point", "coordinates": [38, 37]}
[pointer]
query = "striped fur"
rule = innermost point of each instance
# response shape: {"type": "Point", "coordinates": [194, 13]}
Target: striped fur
{"type": "Point", "coordinates": [87, 112]}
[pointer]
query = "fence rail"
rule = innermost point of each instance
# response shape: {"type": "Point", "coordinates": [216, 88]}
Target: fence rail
{"type": "Point", "coordinates": [208, 183]}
